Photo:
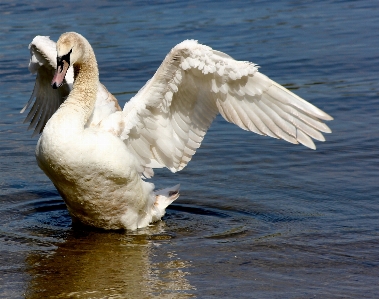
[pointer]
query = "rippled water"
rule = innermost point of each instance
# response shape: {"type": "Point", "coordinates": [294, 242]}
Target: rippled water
{"type": "Point", "coordinates": [257, 218]}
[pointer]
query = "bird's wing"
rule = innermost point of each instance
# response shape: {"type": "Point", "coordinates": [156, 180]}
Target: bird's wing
{"type": "Point", "coordinates": [46, 99]}
{"type": "Point", "coordinates": [166, 121]}
{"type": "Point", "coordinates": [43, 61]}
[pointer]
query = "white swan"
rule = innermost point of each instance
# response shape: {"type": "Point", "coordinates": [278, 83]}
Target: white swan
{"type": "Point", "coordinates": [95, 153]}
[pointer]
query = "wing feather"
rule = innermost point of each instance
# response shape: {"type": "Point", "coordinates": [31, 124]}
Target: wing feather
{"type": "Point", "coordinates": [46, 99]}
{"type": "Point", "coordinates": [166, 121]}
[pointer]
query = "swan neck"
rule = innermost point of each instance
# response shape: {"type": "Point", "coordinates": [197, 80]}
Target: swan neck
{"type": "Point", "coordinates": [84, 91]}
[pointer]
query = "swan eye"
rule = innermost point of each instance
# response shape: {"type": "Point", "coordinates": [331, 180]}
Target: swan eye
{"type": "Point", "coordinates": [63, 58]}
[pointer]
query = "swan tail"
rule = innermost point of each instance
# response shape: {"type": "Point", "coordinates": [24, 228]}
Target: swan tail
{"type": "Point", "coordinates": [163, 198]}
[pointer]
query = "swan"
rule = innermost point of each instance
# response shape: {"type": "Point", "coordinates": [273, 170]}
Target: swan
{"type": "Point", "coordinates": [99, 156]}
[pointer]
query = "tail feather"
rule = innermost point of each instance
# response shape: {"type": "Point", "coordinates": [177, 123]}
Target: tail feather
{"type": "Point", "coordinates": [163, 198]}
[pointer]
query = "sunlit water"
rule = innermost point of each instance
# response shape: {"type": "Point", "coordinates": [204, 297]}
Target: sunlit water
{"type": "Point", "coordinates": [257, 217]}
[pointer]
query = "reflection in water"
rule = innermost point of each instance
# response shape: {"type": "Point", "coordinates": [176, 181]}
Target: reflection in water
{"type": "Point", "coordinates": [107, 265]}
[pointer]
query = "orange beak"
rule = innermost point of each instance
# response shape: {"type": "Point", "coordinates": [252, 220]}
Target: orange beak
{"type": "Point", "coordinates": [60, 73]}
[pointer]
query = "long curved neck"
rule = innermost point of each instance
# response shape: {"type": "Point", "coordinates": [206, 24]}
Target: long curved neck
{"type": "Point", "coordinates": [82, 97]}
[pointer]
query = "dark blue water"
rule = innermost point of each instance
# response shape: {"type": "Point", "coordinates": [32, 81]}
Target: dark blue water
{"type": "Point", "coordinates": [257, 217]}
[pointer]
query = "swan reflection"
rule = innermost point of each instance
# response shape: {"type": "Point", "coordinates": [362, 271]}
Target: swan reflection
{"type": "Point", "coordinates": [93, 264]}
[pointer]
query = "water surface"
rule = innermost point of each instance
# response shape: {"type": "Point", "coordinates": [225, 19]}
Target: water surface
{"type": "Point", "coordinates": [257, 217]}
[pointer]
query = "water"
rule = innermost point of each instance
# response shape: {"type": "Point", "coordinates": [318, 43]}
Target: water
{"type": "Point", "coordinates": [257, 217]}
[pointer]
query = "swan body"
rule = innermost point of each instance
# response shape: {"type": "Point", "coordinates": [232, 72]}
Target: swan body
{"type": "Point", "coordinates": [98, 156]}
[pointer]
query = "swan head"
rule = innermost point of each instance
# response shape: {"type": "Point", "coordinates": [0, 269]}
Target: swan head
{"type": "Point", "coordinates": [71, 49]}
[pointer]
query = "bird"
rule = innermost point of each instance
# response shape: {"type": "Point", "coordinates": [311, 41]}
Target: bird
{"type": "Point", "coordinates": [100, 157]}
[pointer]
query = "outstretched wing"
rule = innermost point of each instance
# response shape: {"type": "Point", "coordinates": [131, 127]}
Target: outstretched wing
{"type": "Point", "coordinates": [47, 100]}
{"type": "Point", "coordinates": [166, 121]}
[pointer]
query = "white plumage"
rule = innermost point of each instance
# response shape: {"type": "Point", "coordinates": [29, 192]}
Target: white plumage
{"type": "Point", "coordinates": [161, 126]}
